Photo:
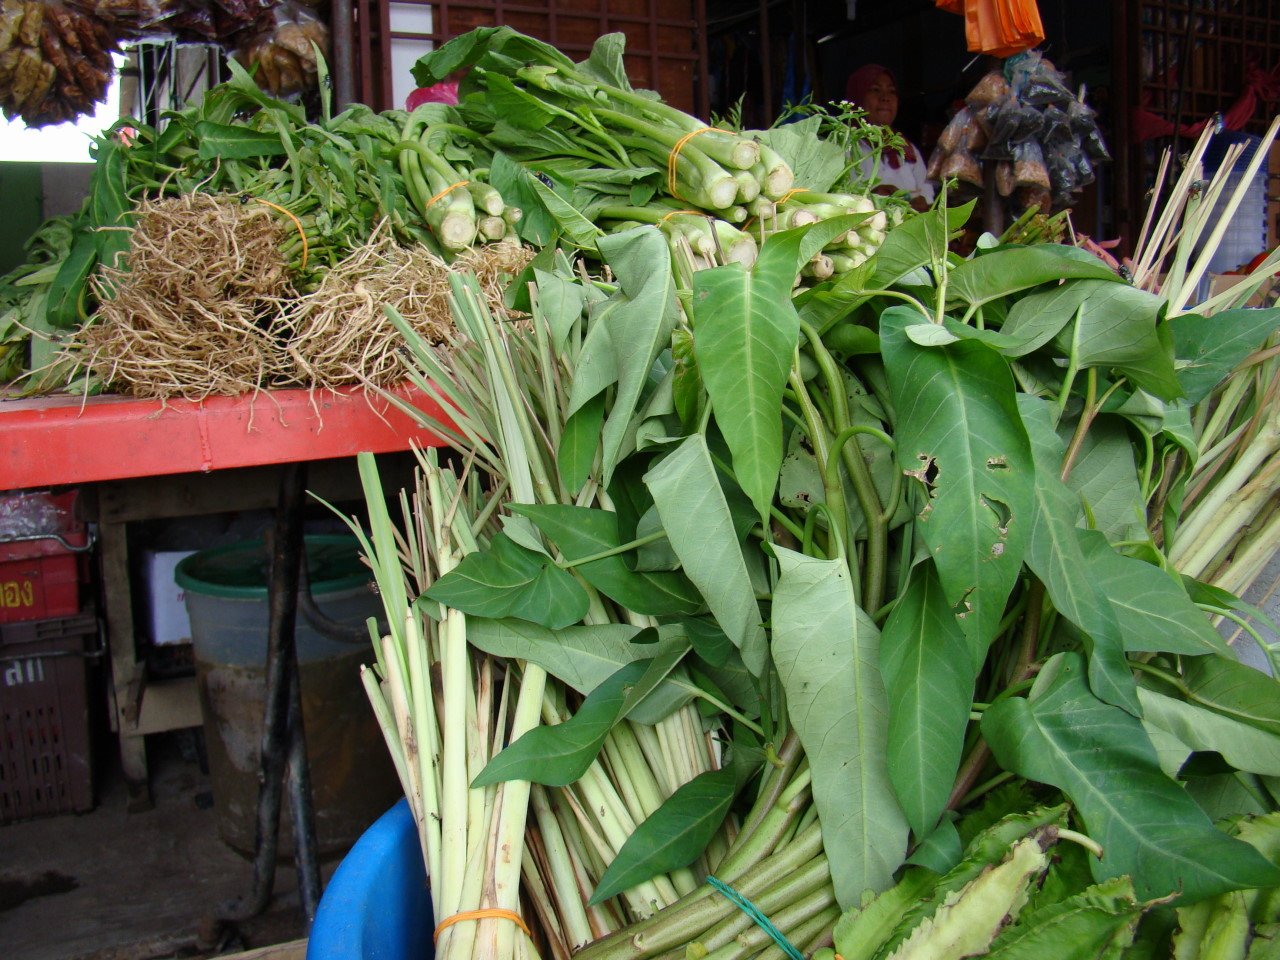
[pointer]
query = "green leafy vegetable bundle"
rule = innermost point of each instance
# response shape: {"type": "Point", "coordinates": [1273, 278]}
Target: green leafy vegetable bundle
{"type": "Point", "coordinates": [899, 546]}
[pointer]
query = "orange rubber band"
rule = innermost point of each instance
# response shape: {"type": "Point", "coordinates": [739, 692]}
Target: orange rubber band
{"type": "Point", "coordinates": [445, 192]}
{"type": "Point", "coordinates": [674, 155]}
{"type": "Point", "coordinates": [296, 222]}
{"type": "Point", "coordinates": [484, 914]}
{"type": "Point", "coordinates": [673, 213]}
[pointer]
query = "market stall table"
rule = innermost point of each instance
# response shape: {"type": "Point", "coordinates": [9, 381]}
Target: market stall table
{"type": "Point", "coordinates": [144, 459]}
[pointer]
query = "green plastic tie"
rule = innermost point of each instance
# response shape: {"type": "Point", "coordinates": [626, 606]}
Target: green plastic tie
{"type": "Point", "coordinates": [752, 911]}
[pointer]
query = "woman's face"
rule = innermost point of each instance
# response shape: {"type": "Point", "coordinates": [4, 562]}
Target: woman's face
{"type": "Point", "coordinates": [882, 100]}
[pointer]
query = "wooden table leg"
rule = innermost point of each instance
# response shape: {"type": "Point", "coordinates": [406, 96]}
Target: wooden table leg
{"type": "Point", "coordinates": [126, 671]}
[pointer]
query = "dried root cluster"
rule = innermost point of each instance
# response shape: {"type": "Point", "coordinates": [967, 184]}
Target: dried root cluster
{"type": "Point", "coordinates": [196, 309]}
{"type": "Point", "coordinates": [204, 305]}
{"type": "Point", "coordinates": [340, 333]}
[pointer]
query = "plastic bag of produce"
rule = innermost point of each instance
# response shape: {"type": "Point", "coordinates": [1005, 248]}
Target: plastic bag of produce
{"type": "Point", "coordinates": [1084, 124]}
{"type": "Point", "coordinates": [1011, 123]}
{"type": "Point", "coordinates": [963, 131]}
{"type": "Point", "coordinates": [55, 61]}
{"type": "Point", "coordinates": [963, 166]}
{"type": "Point", "coordinates": [1036, 81]}
{"type": "Point", "coordinates": [1029, 168]}
{"type": "Point", "coordinates": [990, 89]}
{"type": "Point", "coordinates": [279, 50]}
{"type": "Point", "coordinates": [1006, 183]}
{"type": "Point", "coordinates": [1059, 160]}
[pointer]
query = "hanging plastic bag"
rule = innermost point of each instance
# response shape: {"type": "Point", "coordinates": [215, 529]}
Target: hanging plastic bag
{"type": "Point", "coordinates": [963, 166]}
{"type": "Point", "coordinates": [279, 50]}
{"type": "Point", "coordinates": [1029, 168]}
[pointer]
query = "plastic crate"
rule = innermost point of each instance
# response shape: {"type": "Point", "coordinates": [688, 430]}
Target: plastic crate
{"type": "Point", "coordinates": [45, 759]}
{"type": "Point", "coordinates": [42, 556]}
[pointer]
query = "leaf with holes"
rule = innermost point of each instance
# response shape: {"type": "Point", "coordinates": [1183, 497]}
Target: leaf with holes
{"type": "Point", "coordinates": [959, 434]}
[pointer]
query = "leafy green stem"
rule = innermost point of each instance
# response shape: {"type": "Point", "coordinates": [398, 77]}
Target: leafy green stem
{"type": "Point", "coordinates": [614, 551]}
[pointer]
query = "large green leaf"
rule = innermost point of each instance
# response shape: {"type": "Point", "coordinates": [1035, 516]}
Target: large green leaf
{"type": "Point", "coordinates": [1010, 269]}
{"type": "Point", "coordinates": [1210, 347]}
{"type": "Point", "coordinates": [583, 657]}
{"type": "Point", "coordinates": [579, 442]}
{"type": "Point", "coordinates": [1244, 746]}
{"type": "Point", "coordinates": [582, 532]}
{"type": "Point", "coordinates": [1118, 326]}
{"type": "Point", "coordinates": [959, 433]}
{"type": "Point", "coordinates": [1105, 476]}
{"type": "Point", "coordinates": [1039, 317]}
{"type": "Point", "coordinates": [1101, 758]}
{"type": "Point", "coordinates": [559, 755]}
{"type": "Point", "coordinates": [1235, 690]}
{"type": "Point", "coordinates": [220, 141]}
{"type": "Point", "coordinates": [928, 677]}
{"type": "Point", "coordinates": [1097, 922]}
{"type": "Point", "coordinates": [639, 326]}
{"type": "Point", "coordinates": [1056, 555]}
{"type": "Point", "coordinates": [673, 836]}
{"type": "Point", "coordinates": [1152, 609]}
{"type": "Point", "coordinates": [605, 62]}
{"type": "Point", "coordinates": [826, 651]}
{"type": "Point", "coordinates": [745, 335]}
{"type": "Point", "coordinates": [684, 485]}
{"type": "Point", "coordinates": [919, 241]}
{"type": "Point", "coordinates": [814, 160]}
{"type": "Point", "coordinates": [507, 580]}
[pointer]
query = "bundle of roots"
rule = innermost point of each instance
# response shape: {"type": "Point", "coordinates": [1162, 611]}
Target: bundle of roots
{"type": "Point", "coordinates": [196, 310]}
{"type": "Point", "coordinates": [340, 332]}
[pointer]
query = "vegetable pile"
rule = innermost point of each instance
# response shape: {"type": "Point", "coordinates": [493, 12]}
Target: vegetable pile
{"type": "Point", "coordinates": [867, 603]}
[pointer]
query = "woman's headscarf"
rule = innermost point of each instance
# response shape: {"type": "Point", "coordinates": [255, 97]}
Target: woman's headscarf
{"type": "Point", "coordinates": [856, 89]}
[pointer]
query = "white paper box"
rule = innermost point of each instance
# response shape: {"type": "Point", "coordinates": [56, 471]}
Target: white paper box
{"type": "Point", "coordinates": [165, 600]}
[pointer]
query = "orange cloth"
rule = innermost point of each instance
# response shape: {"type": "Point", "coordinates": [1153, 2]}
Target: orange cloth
{"type": "Point", "coordinates": [1000, 28]}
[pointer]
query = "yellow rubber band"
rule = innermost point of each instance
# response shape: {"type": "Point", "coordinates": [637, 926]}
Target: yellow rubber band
{"type": "Point", "coordinates": [673, 213]}
{"type": "Point", "coordinates": [674, 155]}
{"type": "Point", "coordinates": [484, 914]}
{"type": "Point", "coordinates": [296, 222]}
{"type": "Point", "coordinates": [445, 192]}
{"type": "Point", "coordinates": [789, 194]}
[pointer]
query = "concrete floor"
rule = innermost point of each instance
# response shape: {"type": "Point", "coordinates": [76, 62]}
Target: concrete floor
{"type": "Point", "coordinates": [110, 885]}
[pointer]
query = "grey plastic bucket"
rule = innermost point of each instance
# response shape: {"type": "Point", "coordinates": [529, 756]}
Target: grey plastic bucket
{"type": "Point", "coordinates": [352, 778]}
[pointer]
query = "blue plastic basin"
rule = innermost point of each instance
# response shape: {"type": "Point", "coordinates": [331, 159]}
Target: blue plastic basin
{"type": "Point", "coordinates": [377, 906]}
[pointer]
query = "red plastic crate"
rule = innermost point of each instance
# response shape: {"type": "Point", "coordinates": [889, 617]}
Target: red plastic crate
{"type": "Point", "coordinates": [40, 574]}
{"type": "Point", "coordinates": [45, 759]}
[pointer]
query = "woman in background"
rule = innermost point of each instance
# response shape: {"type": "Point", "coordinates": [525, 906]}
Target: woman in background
{"type": "Point", "coordinates": [873, 89]}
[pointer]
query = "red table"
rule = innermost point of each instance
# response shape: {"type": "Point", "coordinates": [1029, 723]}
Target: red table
{"type": "Point", "coordinates": [49, 441]}
{"type": "Point", "coordinates": [145, 460]}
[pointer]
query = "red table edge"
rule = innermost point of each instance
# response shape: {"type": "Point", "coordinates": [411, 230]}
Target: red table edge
{"type": "Point", "coordinates": [63, 440]}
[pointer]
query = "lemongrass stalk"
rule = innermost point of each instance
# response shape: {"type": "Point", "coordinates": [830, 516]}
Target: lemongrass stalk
{"type": "Point", "coordinates": [1238, 509]}
{"type": "Point", "coordinates": [697, 913]}
{"type": "Point", "coordinates": [1228, 403]}
{"type": "Point", "coordinates": [1205, 515]}
{"type": "Point", "coordinates": [387, 723]}
{"type": "Point", "coordinates": [620, 774]}
{"type": "Point", "coordinates": [427, 741]}
{"type": "Point", "coordinates": [657, 759]}
{"type": "Point", "coordinates": [1161, 172]}
{"type": "Point", "coordinates": [1190, 173]}
{"type": "Point", "coordinates": [1261, 152]}
{"type": "Point", "coordinates": [1246, 567]}
{"type": "Point", "coordinates": [544, 904]}
{"type": "Point", "coordinates": [571, 912]}
{"type": "Point", "coordinates": [813, 930]}
{"type": "Point", "coordinates": [789, 919]}
{"type": "Point", "coordinates": [641, 900]}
